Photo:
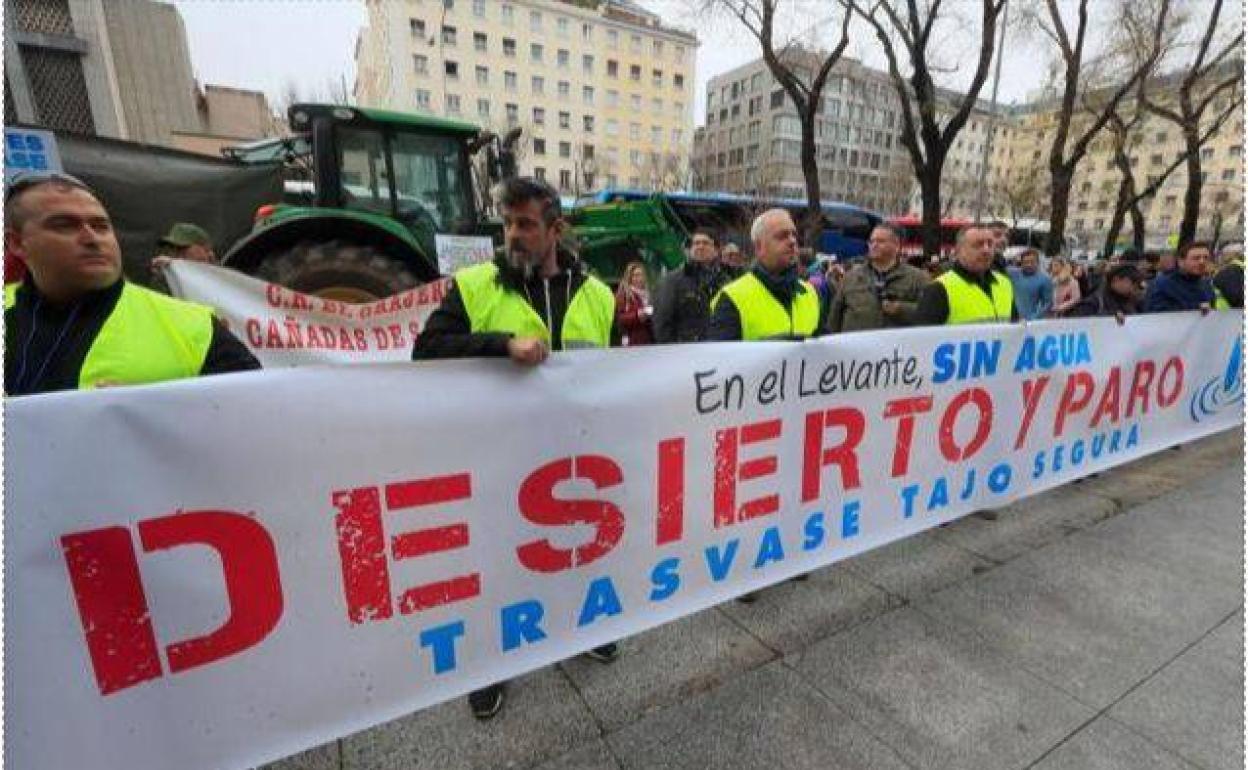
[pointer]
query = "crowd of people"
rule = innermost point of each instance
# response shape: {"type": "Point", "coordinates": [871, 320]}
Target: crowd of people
{"type": "Point", "coordinates": [74, 321]}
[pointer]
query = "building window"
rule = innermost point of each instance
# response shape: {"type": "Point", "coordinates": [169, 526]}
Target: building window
{"type": "Point", "coordinates": [448, 35]}
{"type": "Point", "coordinates": [565, 149]}
{"type": "Point", "coordinates": [587, 151]}
{"type": "Point", "coordinates": [417, 27]}
{"type": "Point", "coordinates": [613, 39]}
{"type": "Point", "coordinates": [634, 158]}
{"type": "Point", "coordinates": [480, 41]}
{"type": "Point", "coordinates": [634, 73]}
{"type": "Point", "coordinates": [483, 108]}
{"type": "Point", "coordinates": [634, 43]}
{"type": "Point", "coordinates": [535, 53]}
{"type": "Point", "coordinates": [613, 127]}
{"type": "Point", "coordinates": [535, 21]}
{"type": "Point", "coordinates": [509, 14]}
{"type": "Point", "coordinates": [587, 64]}
{"type": "Point", "coordinates": [656, 105]}
{"type": "Point", "coordinates": [483, 76]}
{"type": "Point", "coordinates": [677, 136]}
{"type": "Point", "coordinates": [613, 98]}
{"type": "Point", "coordinates": [452, 104]}
{"type": "Point", "coordinates": [452, 70]}
{"type": "Point", "coordinates": [613, 68]}
{"type": "Point", "coordinates": [656, 135]}
{"type": "Point", "coordinates": [509, 47]}
{"type": "Point", "coordinates": [509, 81]}
{"type": "Point", "coordinates": [538, 85]}
{"type": "Point", "coordinates": [635, 101]}
{"type": "Point", "coordinates": [539, 116]}
{"type": "Point", "coordinates": [1228, 175]}
{"type": "Point", "coordinates": [565, 120]}
{"type": "Point", "coordinates": [562, 25]}
{"type": "Point", "coordinates": [1206, 153]}
{"type": "Point", "coordinates": [538, 171]}
{"type": "Point", "coordinates": [588, 124]}
{"type": "Point", "coordinates": [634, 131]}
{"type": "Point", "coordinates": [587, 32]}
{"type": "Point", "coordinates": [422, 99]}
{"type": "Point", "coordinates": [587, 94]}
{"type": "Point", "coordinates": [513, 114]}
{"type": "Point", "coordinates": [565, 179]}
{"type": "Point", "coordinates": [1235, 151]}
{"type": "Point", "coordinates": [539, 146]}
{"type": "Point", "coordinates": [1156, 160]}
{"type": "Point", "coordinates": [657, 78]}
{"type": "Point", "coordinates": [565, 89]}
{"type": "Point", "coordinates": [777, 99]}
{"type": "Point", "coordinates": [678, 81]}
{"type": "Point", "coordinates": [478, 8]}
{"type": "Point", "coordinates": [422, 64]}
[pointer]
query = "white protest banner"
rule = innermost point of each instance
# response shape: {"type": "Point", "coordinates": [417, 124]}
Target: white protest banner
{"type": "Point", "coordinates": [456, 251]}
{"type": "Point", "coordinates": [258, 563]}
{"type": "Point", "coordinates": [282, 327]}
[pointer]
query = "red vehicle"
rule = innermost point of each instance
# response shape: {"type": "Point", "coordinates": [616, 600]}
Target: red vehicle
{"type": "Point", "coordinates": [911, 229]}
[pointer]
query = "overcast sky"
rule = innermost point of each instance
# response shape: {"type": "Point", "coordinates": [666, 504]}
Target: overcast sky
{"type": "Point", "coordinates": [264, 44]}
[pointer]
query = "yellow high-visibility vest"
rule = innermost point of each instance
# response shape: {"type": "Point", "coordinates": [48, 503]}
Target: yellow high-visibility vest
{"type": "Point", "coordinates": [764, 317]}
{"type": "Point", "coordinates": [968, 304]}
{"type": "Point", "coordinates": [492, 308]}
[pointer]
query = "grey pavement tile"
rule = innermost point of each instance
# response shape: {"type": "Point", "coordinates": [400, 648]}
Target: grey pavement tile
{"type": "Point", "coordinates": [1195, 705]}
{"type": "Point", "coordinates": [324, 757]}
{"type": "Point", "coordinates": [1106, 745]}
{"type": "Point", "coordinates": [766, 719]}
{"type": "Point", "coordinates": [595, 755]}
{"type": "Point", "coordinates": [941, 697]}
{"type": "Point", "coordinates": [794, 615]}
{"type": "Point", "coordinates": [1086, 618]}
{"type": "Point", "coordinates": [917, 566]}
{"type": "Point", "coordinates": [664, 665]}
{"type": "Point", "coordinates": [1028, 524]}
{"type": "Point", "coordinates": [543, 718]}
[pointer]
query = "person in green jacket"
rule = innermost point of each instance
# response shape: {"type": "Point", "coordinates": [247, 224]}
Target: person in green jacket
{"type": "Point", "coordinates": [882, 292]}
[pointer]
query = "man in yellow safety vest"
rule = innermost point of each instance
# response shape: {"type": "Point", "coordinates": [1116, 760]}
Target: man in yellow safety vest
{"type": "Point", "coordinates": [533, 298]}
{"type": "Point", "coordinates": [970, 291]}
{"type": "Point", "coordinates": [75, 322]}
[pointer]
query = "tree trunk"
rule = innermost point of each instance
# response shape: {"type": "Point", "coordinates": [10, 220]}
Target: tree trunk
{"type": "Point", "coordinates": [812, 227]}
{"type": "Point", "coordinates": [929, 188]}
{"type": "Point", "coordinates": [1191, 198]}
{"type": "Point", "coordinates": [1137, 228]}
{"type": "Point", "coordinates": [1059, 201]}
{"type": "Point", "coordinates": [1125, 193]}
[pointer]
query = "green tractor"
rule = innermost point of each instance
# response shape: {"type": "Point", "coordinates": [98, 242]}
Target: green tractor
{"type": "Point", "coordinates": [369, 193]}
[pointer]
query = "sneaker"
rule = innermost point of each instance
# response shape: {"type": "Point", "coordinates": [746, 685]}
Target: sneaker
{"type": "Point", "coordinates": [749, 598]}
{"type": "Point", "coordinates": [604, 654]}
{"type": "Point", "coordinates": [486, 702]}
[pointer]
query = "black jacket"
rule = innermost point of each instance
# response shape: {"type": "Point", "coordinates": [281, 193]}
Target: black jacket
{"type": "Point", "coordinates": [725, 324]}
{"type": "Point", "coordinates": [682, 305]}
{"type": "Point", "coordinates": [1230, 281]}
{"type": "Point", "coordinates": [45, 345]}
{"type": "Point", "coordinates": [1104, 303]}
{"type": "Point", "coordinates": [448, 332]}
{"type": "Point", "coordinates": [933, 309]}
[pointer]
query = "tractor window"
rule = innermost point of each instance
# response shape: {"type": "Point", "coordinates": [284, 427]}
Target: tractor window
{"type": "Point", "coordinates": [362, 160]}
{"type": "Point", "coordinates": [430, 180]}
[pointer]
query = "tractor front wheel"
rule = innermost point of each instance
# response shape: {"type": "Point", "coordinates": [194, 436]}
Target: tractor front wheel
{"type": "Point", "coordinates": [337, 270]}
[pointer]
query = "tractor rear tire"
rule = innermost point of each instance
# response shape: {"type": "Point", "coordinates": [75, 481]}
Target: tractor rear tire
{"type": "Point", "coordinates": [339, 270]}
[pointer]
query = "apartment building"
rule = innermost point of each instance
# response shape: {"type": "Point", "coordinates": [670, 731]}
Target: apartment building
{"type": "Point", "coordinates": [602, 89]}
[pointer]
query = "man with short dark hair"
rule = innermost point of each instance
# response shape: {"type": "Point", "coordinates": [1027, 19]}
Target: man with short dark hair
{"type": "Point", "coordinates": [1187, 287]}
{"type": "Point", "coordinates": [970, 291]}
{"type": "Point", "coordinates": [1118, 295]}
{"type": "Point", "coordinates": [534, 298]}
{"type": "Point", "coordinates": [1033, 289]}
{"type": "Point", "coordinates": [882, 292]}
{"type": "Point", "coordinates": [74, 322]}
{"type": "Point", "coordinates": [682, 303]}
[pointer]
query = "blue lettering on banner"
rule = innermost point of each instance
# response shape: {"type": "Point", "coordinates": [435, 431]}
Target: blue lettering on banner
{"type": "Point", "coordinates": [521, 622]}
{"type": "Point", "coordinates": [908, 493]}
{"type": "Point", "coordinates": [720, 562]}
{"type": "Point", "coordinates": [442, 640]}
{"type": "Point", "coordinates": [940, 494]}
{"type": "Point", "coordinates": [600, 599]}
{"type": "Point", "coordinates": [999, 478]}
{"type": "Point", "coordinates": [849, 519]}
{"type": "Point", "coordinates": [666, 579]}
{"type": "Point", "coordinates": [1053, 350]}
{"type": "Point", "coordinates": [813, 531]}
{"type": "Point", "coordinates": [769, 549]}
{"type": "Point", "coordinates": [965, 360]}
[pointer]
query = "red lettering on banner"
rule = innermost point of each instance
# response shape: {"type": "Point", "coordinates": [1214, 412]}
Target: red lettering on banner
{"type": "Point", "coordinates": [362, 547]}
{"type": "Point", "coordinates": [1072, 402]}
{"type": "Point", "coordinates": [979, 398]}
{"type": "Point", "coordinates": [112, 606]}
{"type": "Point", "coordinates": [905, 409]}
{"type": "Point", "coordinates": [1032, 391]}
{"type": "Point", "coordinates": [728, 472]}
{"type": "Point", "coordinates": [112, 603]}
{"type": "Point", "coordinates": [1110, 403]}
{"type": "Point", "coordinates": [844, 455]}
{"type": "Point", "coordinates": [671, 506]}
{"type": "Point", "coordinates": [253, 582]}
{"type": "Point", "coordinates": [253, 333]}
{"type": "Point", "coordinates": [273, 294]}
{"type": "Point", "coordinates": [539, 505]}
{"type": "Point", "coordinates": [1173, 369]}
{"type": "Point", "coordinates": [1141, 381]}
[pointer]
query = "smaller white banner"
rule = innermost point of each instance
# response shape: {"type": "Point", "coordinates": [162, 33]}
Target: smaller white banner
{"type": "Point", "coordinates": [456, 251]}
{"type": "Point", "coordinates": [282, 327]}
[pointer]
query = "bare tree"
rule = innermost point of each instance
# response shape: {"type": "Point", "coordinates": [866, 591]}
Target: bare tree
{"type": "Point", "coordinates": [1198, 88]}
{"type": "Point", "coordinates": [788, 63]}
{"type": "Point", "coordinates": [1024, 193]}
{"type": "Point", "coordinates": [896, 186]}
{"type": "Point", "coordinates": [1072, 139]}
{"type": "Point", "coordinates": [908, 25]}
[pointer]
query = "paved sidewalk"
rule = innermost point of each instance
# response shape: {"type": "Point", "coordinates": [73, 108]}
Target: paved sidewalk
{"type": "Point", "coordinates": [1096, 626]}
